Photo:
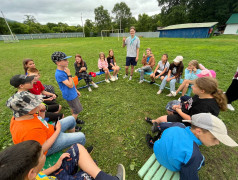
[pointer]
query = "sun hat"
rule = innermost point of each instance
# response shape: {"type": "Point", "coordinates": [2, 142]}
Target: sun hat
{"type": "Point", "coordinates": [214, 125]}
{"type": "Point", "coordinates": [58, 56]}
{"type": "Point", "coordinates": [19, 79]}
{"type": "Point", "coordinates": [178, 59]}
{"type": "Point", "coordinates": [23, 102]}
{"type": "Point", "coordinates": [207, 73]}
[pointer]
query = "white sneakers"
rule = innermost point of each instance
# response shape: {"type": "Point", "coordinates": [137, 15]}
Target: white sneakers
{"type": "Point", "coordinates": [89, 89]}
{"type": "Point", "coordinates": [130, 78]}
{"type": "Point", "coordinates": [126, 76]}
{"type": "Point", "coordinates": [116, 78]}
{"type": "Point", "coordinates": [107, 80]}
{"type": "Point", "coordinates": [137, 70]}
{"type": "Point", "coordinates": [159, 92]}
{"type": "Point", "coordinates": [95, 85]}
{"type": "Point", "coordinates": [112, 78]}
{"type": "Point", "coordinates": [230, 107]}
{"type": "Point", "coordinates": [172, 93]}
{"type": "Point", "coordinates": [141, 81]}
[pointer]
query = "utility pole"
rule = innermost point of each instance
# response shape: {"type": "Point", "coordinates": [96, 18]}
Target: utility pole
{"type": "Point", "coordinates": [120, 25]}
{"type": "Point", "coordinates": [82, 25]}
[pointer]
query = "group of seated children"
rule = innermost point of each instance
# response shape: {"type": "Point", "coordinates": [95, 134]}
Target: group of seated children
{"type": "Point", "coordinates": [33, 135]}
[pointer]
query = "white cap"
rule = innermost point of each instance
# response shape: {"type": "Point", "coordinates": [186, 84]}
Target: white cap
{"type": "Point", "coordinates": [214, 125]}
{"type": "Point", "coordinates": [178, 59]}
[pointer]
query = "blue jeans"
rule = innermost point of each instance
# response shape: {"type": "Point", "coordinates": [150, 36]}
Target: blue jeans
{"type": "Point", "coordinates": [65, 140]}
{"type": "Point", "coordinates": [143, 70]}
{"type": "Point", "coordinates": [172, 83]}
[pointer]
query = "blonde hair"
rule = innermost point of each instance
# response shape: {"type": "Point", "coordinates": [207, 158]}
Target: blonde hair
{"type": "Point", "coordinates": [194, 63]}
{"type": "Point", "coordinates": [210, 86]}
{"type": "Point", "coordinates": [32, 70]}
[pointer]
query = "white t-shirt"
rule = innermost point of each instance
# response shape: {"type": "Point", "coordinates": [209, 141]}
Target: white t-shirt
{"type": "Point", "coordinates": [162, 66]}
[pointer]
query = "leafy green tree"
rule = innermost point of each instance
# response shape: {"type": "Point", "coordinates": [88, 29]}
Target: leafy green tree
{"type": "Point", "coordinates": [102, 18]}
{"type": "Point", "coordinates": [51, 25]}
{"type": "Point", "coordinates": [144, 23]}
{"type": "Point", "coordinates": [122, 15]}
{"type": "Point", "coordinates": [19, 28]}
{"type": "Point", "coordinates": [3, 27]}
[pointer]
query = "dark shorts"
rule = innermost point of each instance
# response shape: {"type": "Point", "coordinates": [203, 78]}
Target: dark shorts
{"type": "Point", "coordinates": [52, 108]}
{"type": "Point", "coordinates": [101, 70]}
{"type": "Point", "coordinates": [69, 167]}
{"type": "Point", "coordinates": [75, 105]}
{"type": "Point", "coordinates": [177, 118]}
{"type": "Point", "coordinates": [156, 74]}
{"type": "Point", "coordinates": [50, 116]}
{"type": "Point", "coordinates": [131, 61]}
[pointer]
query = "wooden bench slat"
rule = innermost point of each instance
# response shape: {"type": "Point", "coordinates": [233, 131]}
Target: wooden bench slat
{"type": "Point", "coordinates": [149, 175]}
{"type": "Point", "coordinates": [168, 175]}
{"type": "Point", "coordinates": [146, 166]}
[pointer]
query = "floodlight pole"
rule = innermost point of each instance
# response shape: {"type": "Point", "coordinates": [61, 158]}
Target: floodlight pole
{"type": "Point", "coordinates": [8, 26]}
{"type": "Point", "coordinates": [82, 25]}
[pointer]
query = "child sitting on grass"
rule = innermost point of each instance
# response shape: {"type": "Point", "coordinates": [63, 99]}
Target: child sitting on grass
{"type": "Point", "coordinates": [112, 65]}
{"type": "Point", "coordinates": [161, 69]}
{"type": "Point", "coordinates": [52, 108]}
{"type": "Point", "coordinates": [190, 75]}
{"type": "Point", "coordinates": [81, 71]}
{"type": "Point", "coordinates": [178, 147]}
{"type": "Point", "coordinates": [103, 67]}
{"type": "Point", "coordinates": [25, 160]}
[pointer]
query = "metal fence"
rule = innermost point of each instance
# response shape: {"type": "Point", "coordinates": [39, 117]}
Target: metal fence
{"type": "Point", "coordinates": [46, 36]}
{"type": "Point", "coordinates": [139, 34]}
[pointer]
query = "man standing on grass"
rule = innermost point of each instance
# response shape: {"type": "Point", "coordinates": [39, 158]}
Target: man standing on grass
{"type": "Point", "coordinates": [133, 45]}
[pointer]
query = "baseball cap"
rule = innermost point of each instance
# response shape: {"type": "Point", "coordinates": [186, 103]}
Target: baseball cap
{"type": "Point", "coordinates": [19, 79]}
{"type": "Point", "coordinates": [214, 125]}
{"type": "Point", "coordinates": [207, 73]}
{"type": "Point", "coordinates": [178, 59]}
{"type": "Point", "coordinates": [23, 102]}
{"type": "Point", "coordinates": [58, 56]}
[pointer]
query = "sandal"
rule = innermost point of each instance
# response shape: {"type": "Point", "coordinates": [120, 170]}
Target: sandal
{"type": "Point", "coordinates": [149, 120]}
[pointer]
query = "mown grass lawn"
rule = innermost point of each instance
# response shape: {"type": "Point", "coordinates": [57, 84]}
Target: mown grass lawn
{"type": "Point", "coordinates": [114, 113]}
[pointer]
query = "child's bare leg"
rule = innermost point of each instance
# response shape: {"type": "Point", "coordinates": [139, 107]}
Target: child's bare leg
{"type": "Point", "coordinates": [185, 89]}
{"type": "Point", "coordinates": [86, 162]}
{"type": "Point", "coordinates": [160, 119]}
{"type": "Point", "coordinates": [126, 68]}
{"type": "Point", "coordinates": [152, 77]}
{"type": "Point", "coordinates": [132, 70]}
{"type": "Point", "coordinates": [161, 77]}
{"type": "Point", "coordinates": [60, 107]}
{"type": "Point", "coordinates": [181, 86]}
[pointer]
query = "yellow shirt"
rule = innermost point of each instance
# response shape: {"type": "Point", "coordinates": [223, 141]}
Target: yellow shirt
{"type": "Point", "coordinates": [42, 176]}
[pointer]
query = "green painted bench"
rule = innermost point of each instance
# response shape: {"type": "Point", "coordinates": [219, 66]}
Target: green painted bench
{"type": "Point", "coordinates": [189, 91]}
{"type": "Point", "coordinates": [52, 159]}
{"type": "Point", "coordinates": [153, 170]}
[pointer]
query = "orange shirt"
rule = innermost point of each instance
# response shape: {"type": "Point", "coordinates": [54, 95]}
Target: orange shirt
{"type": "Point", "coordinates": [32, 129]}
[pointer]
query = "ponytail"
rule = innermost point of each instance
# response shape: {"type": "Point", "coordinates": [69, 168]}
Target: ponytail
{"type": "Point", "coordinates": [210, 86]}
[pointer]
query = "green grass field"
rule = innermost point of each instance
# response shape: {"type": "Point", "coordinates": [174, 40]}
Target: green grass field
{"type": "Point", "coordinates": [114, 113]}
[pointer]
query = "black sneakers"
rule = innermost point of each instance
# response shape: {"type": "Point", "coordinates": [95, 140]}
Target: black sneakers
{"type": "Point", "coordinates": [90, 149]}
{"type": "Point", "coordinates": [155, 128]}
{"type": "Point", "coordinates": [152, 82]}
{"type": "Point", "coordinates": [78, 121]}
{"type": "Point", "coordinates": [149, 141]}
{"type": "Point", "coordinates": [78, 128]}
{"type": "Point", "coordinates": [149, 120]}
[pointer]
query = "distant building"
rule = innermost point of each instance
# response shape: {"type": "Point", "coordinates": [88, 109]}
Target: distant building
{"type": "Point", "coordinates": [190, 30]}
{"type": "Point", "coordinates": [232, 25]}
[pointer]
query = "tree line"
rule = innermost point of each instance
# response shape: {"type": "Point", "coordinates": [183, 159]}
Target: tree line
{"type": "Point", "coordinates": [172, 12]}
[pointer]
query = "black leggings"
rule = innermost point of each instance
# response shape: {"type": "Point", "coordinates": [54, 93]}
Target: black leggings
{"type": "Point", "coordinates": [232, 91]}
{"type": "Point", "coordinates": [84, 75]}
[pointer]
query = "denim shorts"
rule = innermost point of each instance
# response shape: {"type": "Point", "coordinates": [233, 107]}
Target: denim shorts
{"type": "Point", "coordinates": [69, 167]}
{"type": "Point", "coordinates": [131, 61]}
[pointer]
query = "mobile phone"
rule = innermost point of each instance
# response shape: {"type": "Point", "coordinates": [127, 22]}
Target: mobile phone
{"type": "Point", "coordinates": [56, 123]}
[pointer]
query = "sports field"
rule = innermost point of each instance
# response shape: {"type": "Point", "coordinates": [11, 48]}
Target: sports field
{"type": "Point", "coordinates": [114, 113]}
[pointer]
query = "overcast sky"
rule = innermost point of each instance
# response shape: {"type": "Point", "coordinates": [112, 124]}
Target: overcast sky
{"type": "Point", "coordinates": [69, 11]}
